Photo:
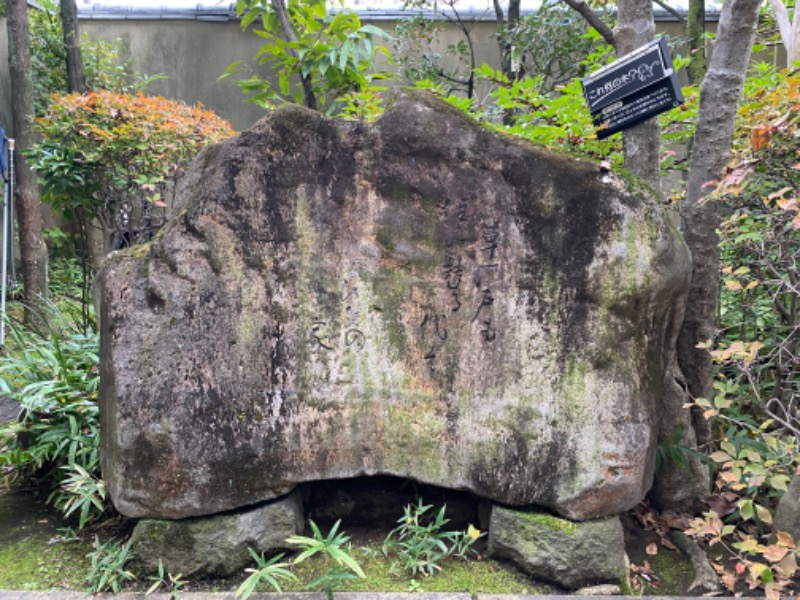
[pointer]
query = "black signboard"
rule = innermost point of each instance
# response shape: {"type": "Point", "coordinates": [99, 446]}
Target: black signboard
{"type": "Point", "coordinates": [640, 106]}
{"type": "Point", "coordinates": [633, 88]}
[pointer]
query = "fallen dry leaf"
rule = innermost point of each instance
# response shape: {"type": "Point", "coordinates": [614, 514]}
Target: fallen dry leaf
{"type": "Point", "coordinates": [728, 579]}
{"type": "Point", "coordinates": [775, 553]}
{"type": "Point", "coordinates": [723, 504]}
{"type": "Point", "coordinates": [760, 137]}
{"type": "Point", "coordinates": [785, 539]}
{"type": "Point", "coordinates": [651, 550]}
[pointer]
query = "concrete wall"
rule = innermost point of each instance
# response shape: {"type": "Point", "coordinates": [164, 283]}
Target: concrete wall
{"type": "Point", "coordinates": [194, 53]}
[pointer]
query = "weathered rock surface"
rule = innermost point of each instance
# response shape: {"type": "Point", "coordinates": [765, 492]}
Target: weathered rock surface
{"type": "Point", "coordinates": [569, 554]}
{"type": "Point", "coordinates": [787, 516]}
{"type": "Point", "coordinates": [9, 409]}
{"type": "Point", "coordinates": [420, 298]}
{"type": "Point", "coordinates": [217, 546]}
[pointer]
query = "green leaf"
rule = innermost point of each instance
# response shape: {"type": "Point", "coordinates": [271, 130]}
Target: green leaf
{"type": "Point", "coordinates": [373, 30]}
{"type": "Point", "coordinates": [344, 54]}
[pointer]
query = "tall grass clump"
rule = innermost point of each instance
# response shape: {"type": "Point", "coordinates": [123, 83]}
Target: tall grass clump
{"type": "Point", "coordinates": [51, 368]}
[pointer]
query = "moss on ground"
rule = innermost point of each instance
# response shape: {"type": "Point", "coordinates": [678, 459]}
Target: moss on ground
{"type": "Point", "coordinates": [33, 554]}
{"type": "Point", "coordinates": [456, 575]}
{"type": "Point", "coordinates": [34, 564]}
{"type": "Point", "coordinates": [674, 571]}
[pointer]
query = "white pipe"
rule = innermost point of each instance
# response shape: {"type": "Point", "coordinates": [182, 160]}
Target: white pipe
{"type": "Point", "coordinates": [6, 228]}
{"type": "Point", "coordinates": [12, 270]}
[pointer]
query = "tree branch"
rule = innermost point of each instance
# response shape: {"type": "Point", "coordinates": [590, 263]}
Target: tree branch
{"type": "Point", "coordinates": [498, 12]}
{"type": "Point", "coordinates": [591, 17]}
{"type": "Point", "coordinates": [673, 11]}
{"type": "Point", "coordinates": [290, 34]}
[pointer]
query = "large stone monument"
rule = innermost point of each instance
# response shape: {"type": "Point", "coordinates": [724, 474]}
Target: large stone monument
{"type": "Point", "coordinates": [420, 297]}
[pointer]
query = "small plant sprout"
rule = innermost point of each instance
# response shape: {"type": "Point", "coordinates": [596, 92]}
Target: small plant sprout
{"type": "Point", "coordinates": [421, 544]}
{"type": "Point", "coordinates": [108, 572]}
{"type": "Point", "coordinates": [270, 571]}
{"type": "Point", "coordinates": [172, 583]}
{"type": "Point", "coordinates": [336, 546]}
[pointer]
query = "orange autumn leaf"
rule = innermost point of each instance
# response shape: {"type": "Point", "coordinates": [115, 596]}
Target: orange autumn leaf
{"type": "Point", "coordinates": [760, 137]}
{"type": "Point", "coordinates": [733, 284]}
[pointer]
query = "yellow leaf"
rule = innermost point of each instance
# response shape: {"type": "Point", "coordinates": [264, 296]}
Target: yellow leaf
{"type": "Point", "coordinates": [779, 482]}
{"type": "Point", "coordinates": [752, 456]}
{"type": "Point", "coordinates": [788, 566]}
{"type": "Point", "coordinates": [763, 514]}
{"type": "Point", "coordinates": [733, 284]}
{"type": "Point", "coordinates": [746, 509]}
{"type": "Point", "coordinates": [785, 539]}
{"type": "Point", "coordinates": [749, 545]}
{"type": "Point", "coordinates": [751, 285]}
{"type": "Point", "coordinates": [473, 532]}
{"type": "Point", "coordinates": [720, 456]}
{"type": "Point", "coordinates": [759, 571]}
{"type": "Point", "coordinates": [772, 592]}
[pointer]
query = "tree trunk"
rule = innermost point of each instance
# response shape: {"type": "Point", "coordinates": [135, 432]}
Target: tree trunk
{"type": "Point", "coordinates": [640, 144]}
{"type": "Point", "coordinates": [76, 80]}
{"type": "Point", "coordinates": [33, 252]}
{"type": "Point", "coordinates": [789, 28]}
{"type": "Point", "coordinates": [681, 487]}
{"type": "Point", "coordinates": [279, 6]}
{"type": "Point", "coordinates": [719, 102]}
{"type": "Point", "coordinates": [696, 30]}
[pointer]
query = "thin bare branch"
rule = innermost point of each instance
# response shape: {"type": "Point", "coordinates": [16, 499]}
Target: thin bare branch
{"type": "Point", "coordinates": [591, 17]}
{"type": "Point", "coordinates": [673, 11]}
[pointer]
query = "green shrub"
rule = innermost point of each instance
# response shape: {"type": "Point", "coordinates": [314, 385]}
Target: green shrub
{"type": "Point", "coordinates": [109, 160]}
{"type": "Point", "coordinates": [333, 55]}
{"type": "Point", "coordinates": [421, 543]}
{"type": "Point", "coordinates": [108, 572]}
{"type": "Point", "coordinates": [103, 66]}
{"type": "Point", "coordinates": [52, 371]}
{"type": "Point", "coordinates": [334, 547]}
{"type": "Point", "coordinates": [753, 411]}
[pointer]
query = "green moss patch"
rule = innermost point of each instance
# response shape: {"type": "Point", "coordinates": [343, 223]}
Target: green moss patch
{"type": "Point", "coordinates": [549, 521]}
{"type": "Point", "coordinates": [457, 575]}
